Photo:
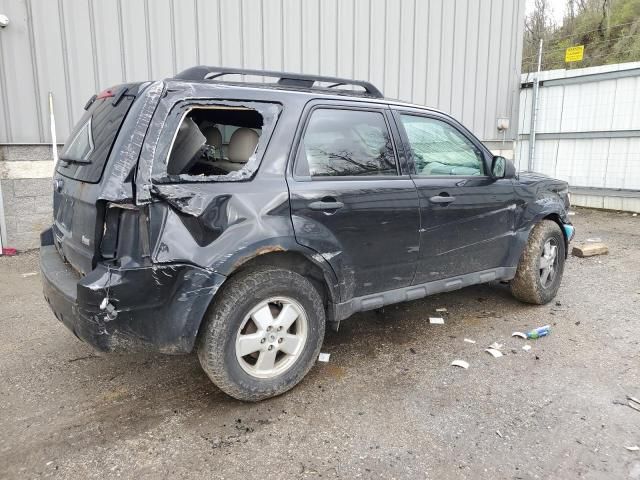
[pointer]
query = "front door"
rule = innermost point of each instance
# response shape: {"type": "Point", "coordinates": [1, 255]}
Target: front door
{"type": "Point", "coordinates": [467, 217]}
{"type": "Point", "coordinates": [351, 202]}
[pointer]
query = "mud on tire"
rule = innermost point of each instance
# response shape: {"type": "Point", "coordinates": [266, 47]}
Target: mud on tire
{"type": "Point", "coordinates": [228, 316]}
{"type": "Point", "coordinates": [530, 284]}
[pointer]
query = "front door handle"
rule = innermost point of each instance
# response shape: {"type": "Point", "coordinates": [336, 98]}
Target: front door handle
{"type": "Point", "coordinates": [445, 199]}
{"type": "Point", "coordinates": [326, 204]}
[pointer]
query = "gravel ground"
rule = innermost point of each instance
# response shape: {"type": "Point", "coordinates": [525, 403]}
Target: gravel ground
{"type": "Point", "coordinates": [387, 405]}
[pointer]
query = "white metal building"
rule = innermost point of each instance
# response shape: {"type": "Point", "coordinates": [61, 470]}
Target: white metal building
{"type": "Point", "coordinates": [461, 56]}
{"type": "Point", "coordinates": [587, 133]}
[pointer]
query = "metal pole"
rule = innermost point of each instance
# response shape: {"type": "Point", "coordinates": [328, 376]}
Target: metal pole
{"type": "Point", "coordinates": [534, 111]}
{"type": "Point", "coordinates": [54, 139]}
{"type": "Point", "coordinates": [3, 225]}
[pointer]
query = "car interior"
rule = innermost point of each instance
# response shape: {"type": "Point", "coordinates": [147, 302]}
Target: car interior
{"type": "Point", "coordinates": [215, 141]}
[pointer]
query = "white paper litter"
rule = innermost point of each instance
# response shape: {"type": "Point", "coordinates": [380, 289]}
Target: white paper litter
{"type": "Point", "coordinates": [634, 448]}
{"type": "Point", "coordinates": [442, 309]}
{"type": "Point", "coordinates": [104, 303]}
{"type": "Point", "coordinates": [526, 348]}
{"type": "Point", "coordinates": [468, 340]}
{"type": "Point", "coordinates": [594, 240]}
{"type": "Point", "coordinates": [30, 274]}
{"type": "Point", "coordinates": [460, 363]}
{"type": "Point", "coordinates": [572, 213]}
{"type": "Point", "coordinates": [324, 357]}
{"type": "Point", "coordinates": [519, 334]}
{"type": "Point", "coordinates": [495, 353]}
{"type": "Point", "coordinates": [496, 346]}
{"type": "Point", "coordinates": [436, 320]}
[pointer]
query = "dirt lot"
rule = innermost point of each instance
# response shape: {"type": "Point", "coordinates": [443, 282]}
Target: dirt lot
{"type": "Point", "coordinates": [387, 405]}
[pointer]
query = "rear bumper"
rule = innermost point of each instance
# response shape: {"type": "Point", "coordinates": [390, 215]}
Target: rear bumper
{"type": "Point", "coordinates": [157, 308]}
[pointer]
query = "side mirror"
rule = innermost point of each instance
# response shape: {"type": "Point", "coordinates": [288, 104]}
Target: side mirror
{"type": "Point", "coordinates": [502, 168]}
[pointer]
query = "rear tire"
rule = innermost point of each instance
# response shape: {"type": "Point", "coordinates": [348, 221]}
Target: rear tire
{"type": "Point", "coordinates": [541, 265]}
{"type": "Point", "coordinates": [263, 333]}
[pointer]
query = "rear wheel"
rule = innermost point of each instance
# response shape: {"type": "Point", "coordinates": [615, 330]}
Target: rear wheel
{"type": "Point", "coordinates": [541, 265]}
{"type": "Point", "coordinates": [263, 334]}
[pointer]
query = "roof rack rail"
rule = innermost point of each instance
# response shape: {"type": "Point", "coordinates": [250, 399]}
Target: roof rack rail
{"type": "Point", "coordinates": [284, 78]}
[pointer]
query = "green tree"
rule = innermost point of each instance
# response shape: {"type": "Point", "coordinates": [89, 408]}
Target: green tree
{"type": "Point", "coordinates": [608, 29]}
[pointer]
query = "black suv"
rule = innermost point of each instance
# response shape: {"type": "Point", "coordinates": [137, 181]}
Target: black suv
{"type": "Point", "coordinates": [239, 218]}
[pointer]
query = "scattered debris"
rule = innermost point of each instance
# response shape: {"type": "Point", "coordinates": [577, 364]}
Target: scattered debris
{"type": "Point", "coordinates": [412, 350]}
{"type": "Point", "coordinates": [324, 357]}
{"type": "Point", "coordinates": [634, 215]}
{"type": "Point", "coordinates": [519, 334]}
{"type": "Point", "coordinates": [539, 332]}
{"type": "Point", "coordinates": [30, 274]}
{"type": "Point", "coordinates": [571, 214]}
{"type": "Point", "coordinates": [499, 434]}
{"type": "Point", "coordinates": [496, 346]}
{"type": "Point", "coordinates": [104, 303]}
{"type": "Point", "coordinates": [468, 340]}
{"type": "Point", "coordinates": [436, 320]}
{"type": "Point", "coordinates": [589, 250]}
{"type": "Point", "coordinates": [594, 240]}
{"type": "Point", "coordinates": [526, 348]}
{"type": "Point", "coordinates": [460, 363]}
{"type": "Point", "coordinates": [442, 309]}
{"type": "Point", "coordinates": [494, 353]}
{"type": "Point", "coordinates": [9, 252]}
{"type": "Point", "coordinates": [634, 448]}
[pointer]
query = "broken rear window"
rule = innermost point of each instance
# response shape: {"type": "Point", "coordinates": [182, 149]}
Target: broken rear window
{"type": "Point", "coordinates": [215, 141]}
{"type": "Point", "coordinates": [86, 152]}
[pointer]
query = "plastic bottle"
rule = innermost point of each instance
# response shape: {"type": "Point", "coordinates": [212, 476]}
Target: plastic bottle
{"type": "Point", "coordinates": [539, 332]}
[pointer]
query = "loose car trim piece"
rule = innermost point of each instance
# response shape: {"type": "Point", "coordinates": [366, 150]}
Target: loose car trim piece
{"type": "Point", "coordinates": [303, 189]}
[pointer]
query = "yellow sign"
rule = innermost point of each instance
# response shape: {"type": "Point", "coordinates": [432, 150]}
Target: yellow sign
{"type": "Point", "coordinates": [574, 54]}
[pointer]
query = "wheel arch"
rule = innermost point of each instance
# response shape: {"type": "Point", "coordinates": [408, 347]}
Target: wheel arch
{"type": "Point", "coordinates": [555, 217]}
{"type": "Point", "coordinates": [293, 257]}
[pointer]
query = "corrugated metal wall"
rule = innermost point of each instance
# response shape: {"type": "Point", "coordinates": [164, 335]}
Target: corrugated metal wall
{"type": "Point", "coordinates": [462, 56]}
{"type": "Point", "coordinates": [588, 126]}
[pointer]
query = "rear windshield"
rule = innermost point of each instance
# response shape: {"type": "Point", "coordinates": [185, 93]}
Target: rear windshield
{"type": "Point", "coordinates": [85, 154]}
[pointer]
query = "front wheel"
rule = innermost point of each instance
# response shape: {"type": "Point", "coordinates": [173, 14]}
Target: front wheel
{"type": "Point", "coordinates": [263, 333]}
{"type": "Point", "coordinates": [541, 265]}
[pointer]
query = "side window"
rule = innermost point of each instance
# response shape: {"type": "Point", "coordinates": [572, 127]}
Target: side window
{"type": "Point", "coordinates": [440, 149]}
{"type": "Point", "coordinates": [215, 141]}
{"type": "Point", "coordinates": [346, 143]}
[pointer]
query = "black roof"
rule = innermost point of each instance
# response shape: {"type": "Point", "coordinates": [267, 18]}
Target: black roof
{"type": "Point", "coordinates": [296, 81]}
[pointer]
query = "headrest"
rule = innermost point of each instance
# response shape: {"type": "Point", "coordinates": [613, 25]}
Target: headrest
{"type": "Point", "coordinates": [213, 136]}
{"type": "Point", "coordinates": [242, 145]}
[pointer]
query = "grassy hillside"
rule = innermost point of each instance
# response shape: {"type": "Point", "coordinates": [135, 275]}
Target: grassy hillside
{"type": "Point", "coordinates": [609, 30]}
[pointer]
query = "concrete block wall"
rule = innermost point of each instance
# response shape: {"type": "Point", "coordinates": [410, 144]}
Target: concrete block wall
{"type": "Point", "coordinates": [27, 196]}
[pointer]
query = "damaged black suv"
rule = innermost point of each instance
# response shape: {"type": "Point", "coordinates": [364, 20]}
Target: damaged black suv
{"type": "Point", "coordinates": [238, 218]}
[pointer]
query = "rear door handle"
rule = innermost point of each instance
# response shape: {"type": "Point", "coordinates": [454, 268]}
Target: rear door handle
{"type": "Point", "coordinates": [442, 199]}
{"type": "Point", "coordinates": [326, 204]}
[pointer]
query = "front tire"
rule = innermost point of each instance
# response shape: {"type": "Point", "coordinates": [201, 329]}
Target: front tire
{"type": "Point", "coordinates": [263, 333]}
{"type": "Point", "coordinates": [541, 265]}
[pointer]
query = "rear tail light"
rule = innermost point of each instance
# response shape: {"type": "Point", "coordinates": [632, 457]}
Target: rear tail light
{"type": "Point", "coordinates": [109, 242]}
